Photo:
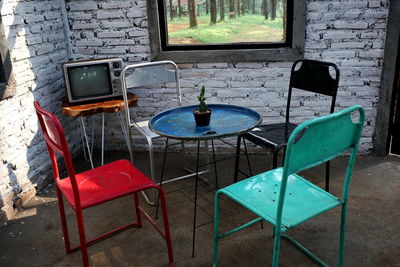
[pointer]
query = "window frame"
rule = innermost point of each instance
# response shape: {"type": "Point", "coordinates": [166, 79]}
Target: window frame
{"type": "Point", "coordinates": [291, 50]}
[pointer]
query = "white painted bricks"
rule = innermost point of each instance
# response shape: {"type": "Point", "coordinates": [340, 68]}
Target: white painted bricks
{"type": "Point", "coordinates": [36, 42]}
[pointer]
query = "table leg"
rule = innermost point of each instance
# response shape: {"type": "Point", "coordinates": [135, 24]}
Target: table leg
{"type": "Point", "coordinates": [247, 157]}
{"type": "Point", "coordinates": [195, 198]}
{"type": "Point", "coordinates": [162, 175]}
{"type": "Point", "coordinates": [191, 171]}
{"type": "Point", "coordinates": [207, 159]}
{"type": "Point", "coordinates": [215, 165]}
{"type": "Point", "coordinates": [197, 174]}
{"type": "Point", "coordinates": [237, 159]}
{"type": "Point", "coordinates": [87, 141]}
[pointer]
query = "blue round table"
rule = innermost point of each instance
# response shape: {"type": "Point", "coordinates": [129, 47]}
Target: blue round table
{"type": "Point", "coordinates": [226, 120]}
{"type": "Point", "coordinates": [179, 123]}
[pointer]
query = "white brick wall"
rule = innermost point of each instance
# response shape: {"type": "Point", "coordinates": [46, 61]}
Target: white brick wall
{"type": "Point", "coordinates": [36, 42]}
{"type": "Point", "coordinates": [349, 33]}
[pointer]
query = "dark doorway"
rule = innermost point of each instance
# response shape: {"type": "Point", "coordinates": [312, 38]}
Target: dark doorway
{"type": "Point", "coordinates": [394, 127]}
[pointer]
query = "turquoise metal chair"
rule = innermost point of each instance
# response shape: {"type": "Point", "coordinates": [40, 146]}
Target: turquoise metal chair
{"type": "Point", "coordinates": [284, 198]}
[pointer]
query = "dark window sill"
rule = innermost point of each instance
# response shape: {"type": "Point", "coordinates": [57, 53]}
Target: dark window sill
{"type": "Point", "coordinates": [235, 55]}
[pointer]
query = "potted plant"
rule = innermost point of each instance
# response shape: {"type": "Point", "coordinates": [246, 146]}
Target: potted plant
{"type": "Point", "coordinates": [202, 115]}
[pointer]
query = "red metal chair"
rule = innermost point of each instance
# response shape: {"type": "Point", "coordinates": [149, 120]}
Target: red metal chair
{"type": "Point", "coordinates": [96, 186]}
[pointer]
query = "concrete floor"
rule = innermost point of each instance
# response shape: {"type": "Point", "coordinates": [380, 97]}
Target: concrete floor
{"type": "Point", "coordinates": [34, 238]}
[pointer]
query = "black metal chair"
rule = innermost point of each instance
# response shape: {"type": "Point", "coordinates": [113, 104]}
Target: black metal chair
{"type": "Point", "coordinates": [309, 75]}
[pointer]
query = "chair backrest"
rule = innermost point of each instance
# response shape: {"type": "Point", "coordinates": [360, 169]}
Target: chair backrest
{"type": "Point", "coordinates": [54, 137]}
{"type": "Point", "coordinates": [149, 73]}
{"type": "Point", "coordinates": [313, 76]}
{"type": "Point", "coordinates": [319, 140]}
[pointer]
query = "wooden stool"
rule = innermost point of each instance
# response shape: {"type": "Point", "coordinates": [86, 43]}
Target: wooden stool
{"type": "Point", "coordinates": [107, 106]}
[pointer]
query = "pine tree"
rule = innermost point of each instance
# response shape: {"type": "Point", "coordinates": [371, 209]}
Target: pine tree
{"type": "Point", "coordinates": [273, 9]}
{"type": "Point", "coordinates": [192, 14]}
{"type": "Point", "coordinates": [171, 10]}
{"type": "Point", "coordinates": [179, 8]}
{"type": "Point", "coordinates": [221, 10]}
{"type": "Point", "coordinates": [213, 11]}
{"type": "Point", "coordinates": [232, 14]}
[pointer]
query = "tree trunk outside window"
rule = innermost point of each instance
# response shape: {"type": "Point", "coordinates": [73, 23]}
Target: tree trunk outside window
{"type": "Point", "coordinates": [179, 8]}
{"type": "Point", "coordinates": [244, 6]}
{"type": "Point", "coordinates": [284, 18]}
{"type": "Point", "coordinates": [192, 14]}
{"type": "Point", "coordinates": [213, 12]}
{"type": "Point", "coordinates": [232, 14]}
{"type": "Point", "coordinates": [273, 9]}
{"type": "Point", "coordinates": [171, 11]}
{"type": "Point", "coordinates": [264, 8]}
{"type": "Point", "coordinates": [221, 10]}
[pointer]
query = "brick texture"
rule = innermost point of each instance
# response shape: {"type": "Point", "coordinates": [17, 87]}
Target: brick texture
{"type": "Point", "coordinates": [350, 34]}
{"type": "Point", "coordinates": [36, 43]}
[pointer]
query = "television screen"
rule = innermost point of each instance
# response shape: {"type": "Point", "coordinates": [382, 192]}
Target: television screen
{"type": "Point", "coordinates": [89, 81]}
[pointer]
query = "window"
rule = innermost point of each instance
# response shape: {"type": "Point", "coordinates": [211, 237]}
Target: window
{"type": "Point", "coordinates": [189, 31]}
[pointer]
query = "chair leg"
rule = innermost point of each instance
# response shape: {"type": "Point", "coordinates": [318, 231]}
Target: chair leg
{"type": "Point", "coordinates": [275, 158]}
{"type": "Point", "coordinates": [284, 154]}
{"type": "Point", "coordinates": [215, 165]}
{"type": "Point", "coordinates": [166, 226]}
{"type": "Point", "coordinates": [138, 213]}
{"type": "Point", "coordinates": [63, 221]}
{"type": "Point", "coordinates": [183, 155]}
{"type": "Point", "coordinates": [150, 200]}
{"type": "Point", "coordinates": [247, 157]}
{"type": "Point", "coordinates": [342, 234]}
{"type": "Point", "coordinates": [277, 243]}
{"type": "Point", "coordinates": [327, 174]}
{"type": "Point", "coordinates": [237, 158]}
{"type": "Point", "coordinates": [216, 228]}
{"type": "Point", "coordinates": [82, 238]}
{"type": "Point", "coordinates": [161, 177]}
{"type": "Point", "coordinates": [151, 159]}
{"type": "Point", "coordinates": [129, 144]}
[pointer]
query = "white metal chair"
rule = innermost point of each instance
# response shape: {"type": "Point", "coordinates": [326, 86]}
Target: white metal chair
{"type": "Point", "coordinates": [141, 75]}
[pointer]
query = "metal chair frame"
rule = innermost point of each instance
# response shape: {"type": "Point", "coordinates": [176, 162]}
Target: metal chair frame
{"type": "Point", "coordinates": [284, 198]}
{"type": "Point", "coordinates": [304, 79]}
{"type": "Point", "coordinates": [71, 188]}
{"type": "Point", "coordinates": [145, 74]}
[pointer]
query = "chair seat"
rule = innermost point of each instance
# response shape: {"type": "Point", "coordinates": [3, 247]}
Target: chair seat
{"type": "Point", "coordinates": [303, 200]}
{"type": "Point", "coordinates": [105, 183]}
{"type": "Point", "coordinates": [271, 135]}
{"type": "Point", "coordinates": [144, 126]}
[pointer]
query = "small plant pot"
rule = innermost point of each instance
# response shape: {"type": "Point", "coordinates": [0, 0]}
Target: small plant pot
{"type": "Point", "coordinates": [202, 118]}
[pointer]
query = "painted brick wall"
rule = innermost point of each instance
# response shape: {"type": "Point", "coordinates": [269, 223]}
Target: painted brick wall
{"type": "Point", "coordinates": [349, 33]}
{"type": "Point", "coordinates": [36, 43]}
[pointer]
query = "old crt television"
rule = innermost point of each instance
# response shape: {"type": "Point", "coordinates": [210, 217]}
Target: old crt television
{"type": "Point", "coordinates": [90, 80]}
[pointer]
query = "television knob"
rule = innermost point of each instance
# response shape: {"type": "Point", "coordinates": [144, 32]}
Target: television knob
{"type": "Point", "coordinates": [117, 73]}
{"type": "Point", "coordinates": [116, 65]}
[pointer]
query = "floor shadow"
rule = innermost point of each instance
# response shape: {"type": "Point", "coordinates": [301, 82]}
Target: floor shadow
{"type": "Point", "coordinates": [372, 234]}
